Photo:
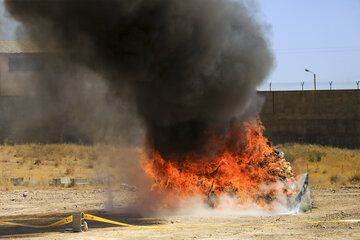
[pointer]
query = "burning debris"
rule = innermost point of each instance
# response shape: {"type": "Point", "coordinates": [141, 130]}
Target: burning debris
{"type": "Point", "coordinates": [246, 168]}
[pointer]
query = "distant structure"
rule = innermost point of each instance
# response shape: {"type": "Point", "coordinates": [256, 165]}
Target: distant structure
{"type": "Point", "coordinates": [19, 59]}
{"type": "Point", "coordinates": [320, 117]}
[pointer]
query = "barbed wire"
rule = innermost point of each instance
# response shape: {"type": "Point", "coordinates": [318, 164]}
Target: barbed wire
{"type": "Point", "coordinates": [309, 85]}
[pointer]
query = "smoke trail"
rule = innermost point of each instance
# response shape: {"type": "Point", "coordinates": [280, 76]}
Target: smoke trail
{"type": "Point", "coordinates": [183, 65]}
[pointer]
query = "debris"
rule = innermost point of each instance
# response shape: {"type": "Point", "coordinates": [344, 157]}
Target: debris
{"type": "Point", "coordinates": [68, 182]}
{"type": "Point", "coordinates": [60, 182]}
{"type": "Point", "coordinates": [85, 226]}
{"type": "Point", "coordinates": [211, 196]}
{"type": "Point", "coordinates": [23, 181]}
{"type": "Point", "coordinates": [302, 202]}
{"type": "Point", "coordinates": [125, 186]}
{"type": "Point", "coordinates": [79, 181]}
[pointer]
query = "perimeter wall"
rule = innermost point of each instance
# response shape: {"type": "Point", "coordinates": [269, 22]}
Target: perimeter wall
{"type": "Point", "coordinates": [322, 117]}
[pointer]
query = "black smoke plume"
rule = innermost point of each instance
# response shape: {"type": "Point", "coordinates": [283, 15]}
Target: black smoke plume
{"type": "Point", "coordinates": [183, 65]}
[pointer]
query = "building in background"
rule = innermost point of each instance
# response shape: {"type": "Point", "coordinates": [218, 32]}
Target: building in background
{"type": "Point", "coordinates": [21, 62]}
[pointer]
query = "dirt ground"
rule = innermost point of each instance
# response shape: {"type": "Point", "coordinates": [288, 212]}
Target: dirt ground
{"type": "Point", "coordinates": [43, 207]}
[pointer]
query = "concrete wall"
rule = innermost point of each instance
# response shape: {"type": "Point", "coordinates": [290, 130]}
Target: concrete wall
{"type": "Point", "coordinates": [16, 83]}
{"type": "Point", "coordinates": [323, 117]}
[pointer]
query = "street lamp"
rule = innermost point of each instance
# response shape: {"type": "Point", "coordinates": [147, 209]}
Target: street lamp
{"type": "Point", "coordinates": [307, 70]}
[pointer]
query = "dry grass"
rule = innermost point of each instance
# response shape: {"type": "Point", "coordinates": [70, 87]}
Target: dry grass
{"type": "Point", "coordinates": [98, 163]}
{"type": "Point", "coordinates": [327, 165]}
{"type": "Point", "coordinates": [104, 164]}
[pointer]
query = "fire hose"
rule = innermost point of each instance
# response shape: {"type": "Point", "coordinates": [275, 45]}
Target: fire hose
{"type": "Point", "coordinates": [64, 221]}
{"type": "Point", "coordinates": [85, 216]}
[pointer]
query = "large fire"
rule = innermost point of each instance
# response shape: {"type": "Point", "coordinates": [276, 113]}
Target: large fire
{"type": "Point", "coordinates": [245, 167]}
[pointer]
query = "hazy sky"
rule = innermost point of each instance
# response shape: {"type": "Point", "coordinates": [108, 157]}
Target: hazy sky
{"type": "Point", "coordinates": [7, 25]}
{"type": "Point", "coordinates": [322, 35]}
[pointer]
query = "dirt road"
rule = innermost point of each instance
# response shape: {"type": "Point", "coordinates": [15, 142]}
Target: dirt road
{"type": "Point", "coordinates": [42, 207]}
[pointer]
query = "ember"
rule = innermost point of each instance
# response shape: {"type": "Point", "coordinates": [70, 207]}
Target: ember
{"type": "Point", "coordinates": [246, 167]}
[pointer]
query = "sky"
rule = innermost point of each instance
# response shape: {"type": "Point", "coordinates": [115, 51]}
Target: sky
{"type": "Point", "coordinates": [321, 35]}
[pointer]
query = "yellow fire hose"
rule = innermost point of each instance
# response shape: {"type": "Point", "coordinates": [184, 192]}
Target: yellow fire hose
{"type": "Point", "coordinates": [95, 218]}
{"type": "Point", "coordinates": [58, 223]}
{"type": "Point", "coordinates": [99, 219]}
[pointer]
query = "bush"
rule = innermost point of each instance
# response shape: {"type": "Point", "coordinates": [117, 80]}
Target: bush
{"type": "Point", "coordinates": [355, 178]}
{"type": "Point", "coordinates": [290, 158]}
{"type": "Point", "coordinates": [339, 179]}
{"type": "Point", "coordinates": [334, 179]}
{"type": "Point", "coordinates": [315, 156]}
{"type": "Point", "coordinates": [37, 162]}
{"type": "Point", "coordinates": [70, 170]}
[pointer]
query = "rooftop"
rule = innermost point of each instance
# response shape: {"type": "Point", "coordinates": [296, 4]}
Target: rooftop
{"type": "Point", "coordinates": [19, 46]}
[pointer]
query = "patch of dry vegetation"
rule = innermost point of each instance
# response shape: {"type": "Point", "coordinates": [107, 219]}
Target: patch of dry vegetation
{"type": "Point", "coordinates": [327, 165]}
{"type": "Point", "coordinates": [98, 163]}
{"type": "Point", "coordinates": [109, 165]}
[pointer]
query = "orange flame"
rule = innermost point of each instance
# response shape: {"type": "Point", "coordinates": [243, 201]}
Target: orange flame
{"type": "Point", "coordinates": [245, 162]}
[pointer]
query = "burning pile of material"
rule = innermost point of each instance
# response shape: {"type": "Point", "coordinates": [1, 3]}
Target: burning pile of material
{"type": "Point", "coordinates": [245, 167]}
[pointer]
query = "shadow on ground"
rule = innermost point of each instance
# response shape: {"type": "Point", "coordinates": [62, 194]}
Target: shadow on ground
{"type": "Point", "coordinates": [11, 232]}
